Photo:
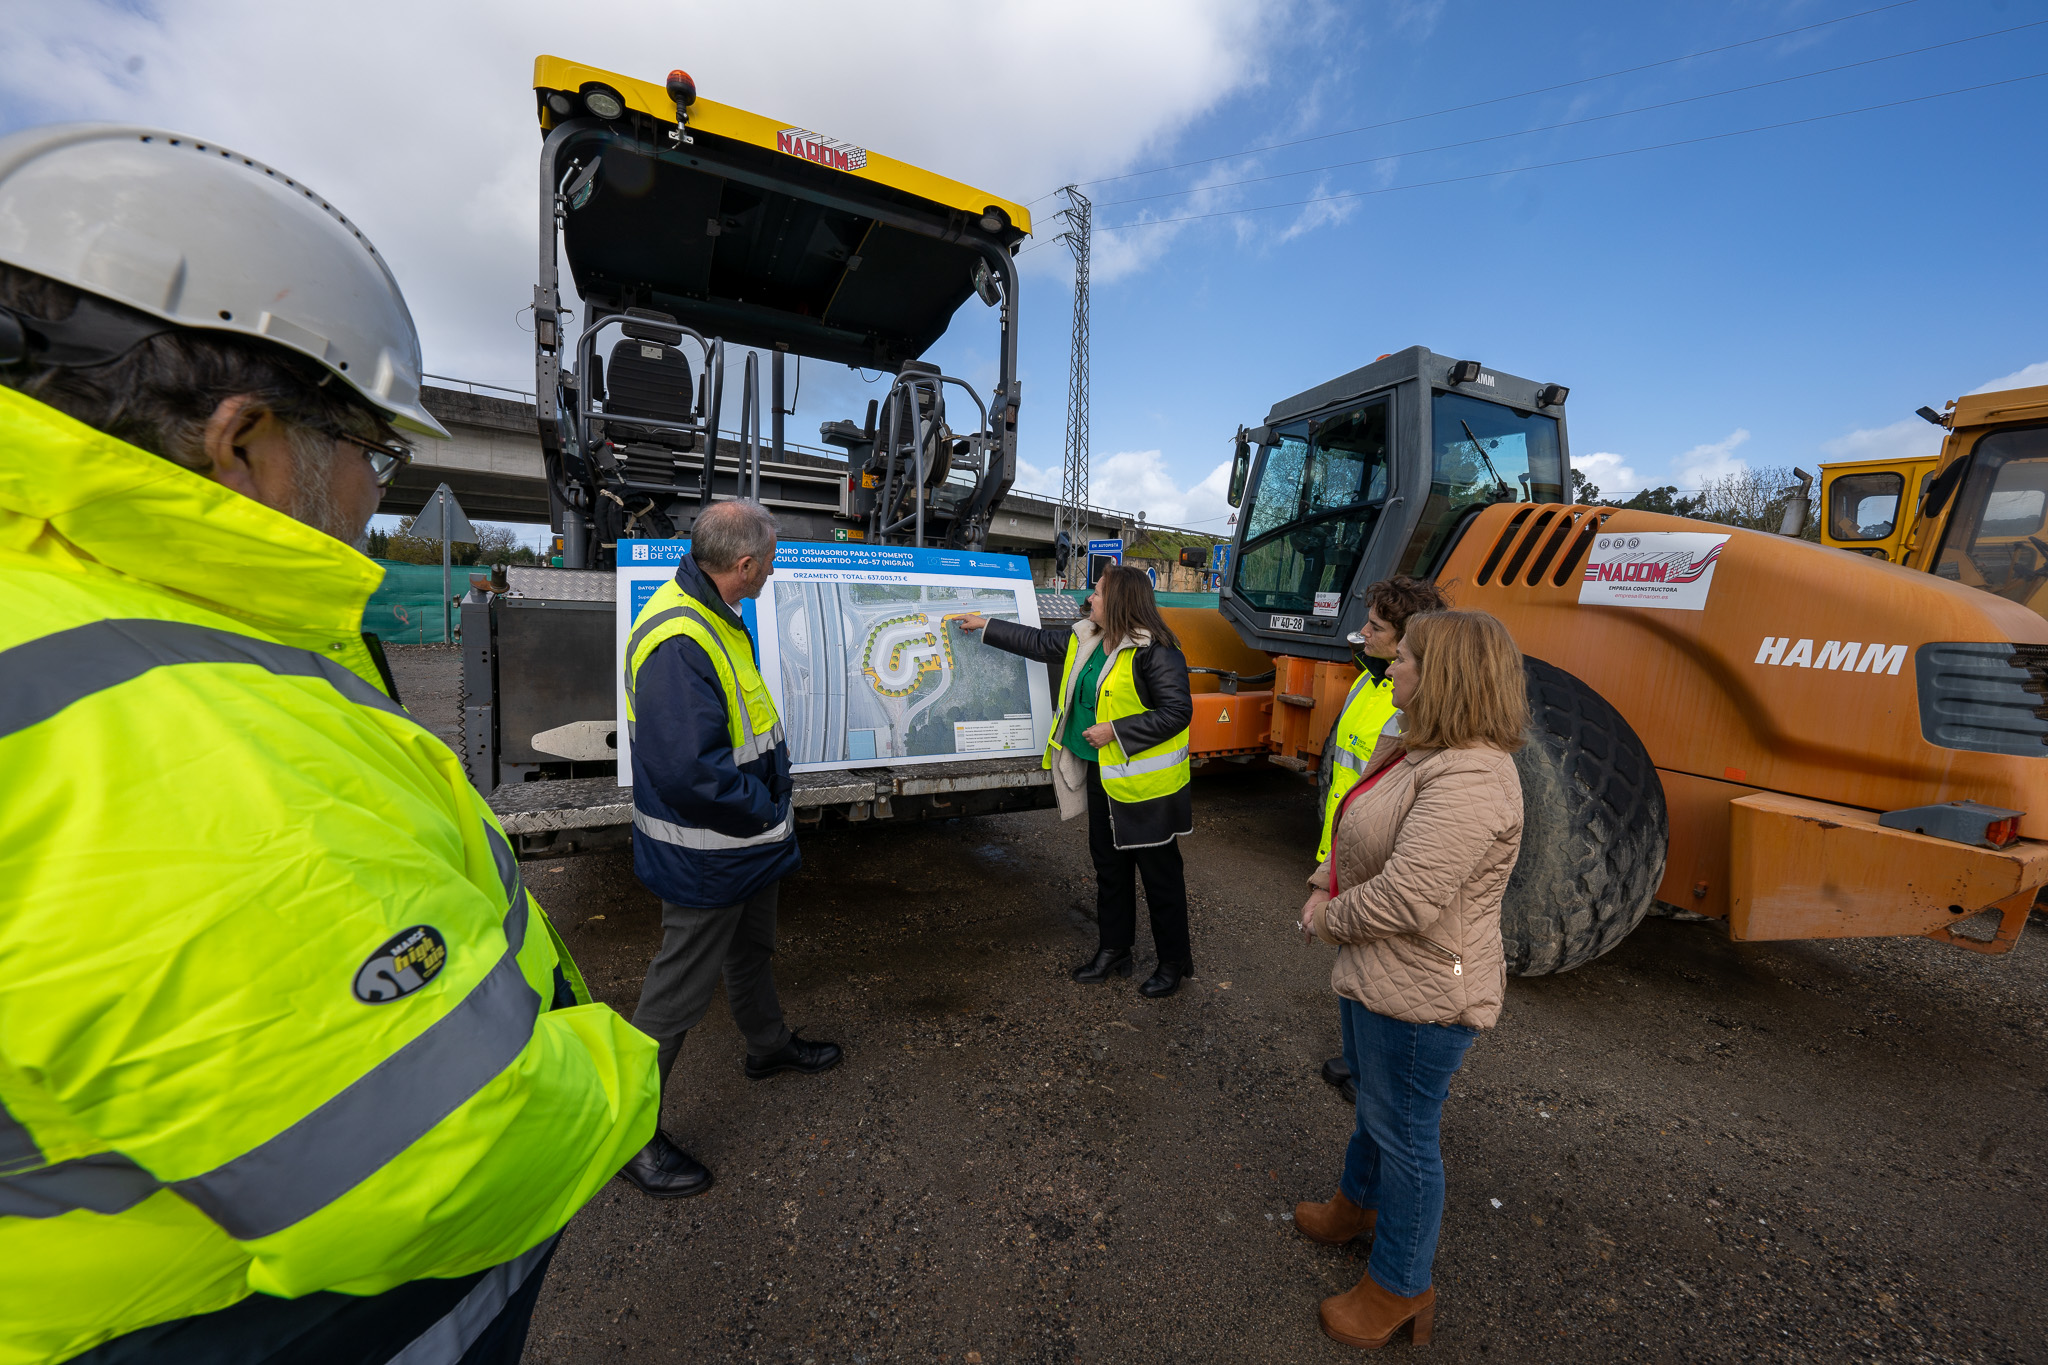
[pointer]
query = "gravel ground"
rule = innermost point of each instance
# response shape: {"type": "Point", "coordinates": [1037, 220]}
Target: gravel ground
{"type": "Point", "coordinates": [427, 678]}
{"type": "Point", "coordinates": [1688, 1150]}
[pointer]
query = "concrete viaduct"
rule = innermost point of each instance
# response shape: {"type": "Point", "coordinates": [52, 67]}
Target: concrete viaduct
{"type": "Point", "coordinates": [494, 468]}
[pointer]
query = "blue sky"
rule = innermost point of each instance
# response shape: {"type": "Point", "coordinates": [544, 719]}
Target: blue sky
{"type": "Point", "coordinates": [1784, 297]}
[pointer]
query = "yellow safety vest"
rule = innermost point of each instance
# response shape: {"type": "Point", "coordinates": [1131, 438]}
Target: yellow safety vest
{"type": "Point", "coordinates": [751, 721]}
{"type": "Point", "coordinates": [1148, 775]}
{"type": "Point", "coordinates": [1368, 710]}
{"type": "Point", "coordinates": [277, 1003]}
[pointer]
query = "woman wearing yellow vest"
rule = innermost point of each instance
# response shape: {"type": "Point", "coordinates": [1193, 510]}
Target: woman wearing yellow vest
{"type": "Point", "coordinates": [1367, 714]}
{"type": "Point", "coordinates": [1119, 750]}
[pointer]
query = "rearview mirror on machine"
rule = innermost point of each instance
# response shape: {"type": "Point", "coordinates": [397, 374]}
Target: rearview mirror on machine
{"type": "Point", "coordinates": [985, 284]}
{"type": "Point", "coordinates": [1240, 467]}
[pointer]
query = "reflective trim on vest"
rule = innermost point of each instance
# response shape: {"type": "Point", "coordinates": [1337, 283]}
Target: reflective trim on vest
{"type": "Point", "coordinates": [641, 630]}
{"type": "Point", "coordinates": [751, 742]}
{"type": "Point", "coordinates": [1138, 767]}
{"type": "Point", "coordinates": [1152, 774]}
{"type": "Point", "coordinates": [458, 1329]}
{"type": "Point", "coordinates": [18, 1151]}
{"type": "Point", "coordinates": [42, 677]}
{"type": "Point", "coordinates": [337, 1146]}
{"type": "Point", "coordinates": [758, 745]}
{"type": "Point", "coordinates": [691, 836]}
{"type": "Point", "coordinates": [1347, 763]}
{"type": "Point", "coordinates": [748, 734]}
{"type": "Point", "coordinates": [105, 1182]}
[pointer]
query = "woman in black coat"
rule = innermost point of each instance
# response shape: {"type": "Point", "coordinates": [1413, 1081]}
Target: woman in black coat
{"type": "Point", "coordinates": [1128, 839]}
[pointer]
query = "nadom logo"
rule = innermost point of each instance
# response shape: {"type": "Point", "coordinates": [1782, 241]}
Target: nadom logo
{"type": "Point", "coordinates": [826, 151]}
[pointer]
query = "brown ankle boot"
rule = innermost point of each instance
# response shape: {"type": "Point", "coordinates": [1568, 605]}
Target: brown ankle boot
{"type": "Point", "coordinates": [1334, 1223]}
{"type": "Point", "coordinates": [1369, 1316]}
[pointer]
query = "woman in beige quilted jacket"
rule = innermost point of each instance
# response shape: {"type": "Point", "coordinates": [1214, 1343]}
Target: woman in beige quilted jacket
{"type": "Point", "coordinates": [1411, 894]}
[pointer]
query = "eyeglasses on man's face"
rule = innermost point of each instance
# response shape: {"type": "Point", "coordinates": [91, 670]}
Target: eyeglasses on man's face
{"type": "Point", "coordinates": [385, 460]}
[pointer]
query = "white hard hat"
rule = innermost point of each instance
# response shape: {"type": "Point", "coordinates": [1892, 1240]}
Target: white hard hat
{"type": "Point", "coordinates": [197, 235]}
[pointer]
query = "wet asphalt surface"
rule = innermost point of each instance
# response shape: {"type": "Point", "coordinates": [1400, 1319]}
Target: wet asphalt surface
{"type": "Point", "coordinates": [1688, 1150]}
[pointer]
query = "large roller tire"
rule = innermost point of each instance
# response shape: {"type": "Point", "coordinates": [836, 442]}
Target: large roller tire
{"type": "Point", "coordinates": [1594, 829]}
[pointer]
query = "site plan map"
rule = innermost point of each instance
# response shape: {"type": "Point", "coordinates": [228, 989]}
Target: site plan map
{"type": "Point", "coordinates": [863, 651]}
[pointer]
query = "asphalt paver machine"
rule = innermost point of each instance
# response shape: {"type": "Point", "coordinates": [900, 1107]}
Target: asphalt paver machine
{"type": "Point", "coordinates": [1803, 742]}
{"type": "Point", "coordinates": [691, 230]}
{"type": "Point", "coordinates": [706, 245]}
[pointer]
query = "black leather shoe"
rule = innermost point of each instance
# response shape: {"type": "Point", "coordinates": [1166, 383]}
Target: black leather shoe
{"type": "Point", "coordinates": [1337, 1072]}
{"type": "Point", "coordinates": [666, 1171]}
{"type": "Point", "coordinates": [1097, 969]}
{"type": "Point", "coordinates": [1165, 979]}
{"type": "Point", "coordinates": [798, 1054]}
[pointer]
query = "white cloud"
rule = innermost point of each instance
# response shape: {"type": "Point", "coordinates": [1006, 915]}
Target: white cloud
{"type": "Point", "coordinates": [429, 142]}
{"type": "Point", "coordinates": [1609, 472]}
{"type": "Point", "coordinates": [1139, 481]}
{"type": "Point", "coordinates": [1913, 438]}
{"type": "Point", "coordinates": [2018, 379]}
{"type": "Point", "coordinates": [1033, 478]}
{"type": "Point", "coordinates": [1704, 463]}
{"type": "Point", "coordinates": [1327, 213]}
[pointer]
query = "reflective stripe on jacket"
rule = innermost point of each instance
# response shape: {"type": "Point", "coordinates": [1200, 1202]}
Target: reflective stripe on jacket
{"type": "Point", "coordinates": [711, 791]}
{"type": "Point", "coordinates": [277, 1013]}
{"type": "Point", "coordinates": [1368, 710]}
{"type": "Point", "coordinates": [1150, 712]}
{"type": "Point", "coordinates": [1151, 774]}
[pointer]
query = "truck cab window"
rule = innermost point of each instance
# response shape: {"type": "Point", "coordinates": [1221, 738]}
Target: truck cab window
{"type": "Point", "coordinates": [1864, 506]}
{"type": "Point", "coordinates": [1317, 494]}
{"type": "Point", "coordinates": [1997, 537]}
{"type": "Point", "coordinates": [1482, 453]}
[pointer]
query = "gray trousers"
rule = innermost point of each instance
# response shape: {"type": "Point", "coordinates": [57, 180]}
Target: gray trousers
{"type": "Point", "coordinates": [697, 947]}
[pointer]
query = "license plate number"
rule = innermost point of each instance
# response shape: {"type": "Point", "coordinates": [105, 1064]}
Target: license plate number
{"type": "Point", "coordinates": [1289, 623]}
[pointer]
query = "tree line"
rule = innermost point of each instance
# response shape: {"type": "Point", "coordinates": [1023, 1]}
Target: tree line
{"type": "Point", "coordinates": [1754, 499]}
{"type": "Point", "coordinates": [494, 545]}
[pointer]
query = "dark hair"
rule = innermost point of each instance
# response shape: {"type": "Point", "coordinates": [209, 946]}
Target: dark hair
{"type": "Point", "coordinates": [1396, 599]}
{"type": "Point", "coordinates": [160, 395]}
{"type": "Point", "coordinates": [1129, 606]}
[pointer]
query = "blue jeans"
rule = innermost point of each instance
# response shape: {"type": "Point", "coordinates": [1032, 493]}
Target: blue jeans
{"type": "Point", "coordinates": [1403, 1072]}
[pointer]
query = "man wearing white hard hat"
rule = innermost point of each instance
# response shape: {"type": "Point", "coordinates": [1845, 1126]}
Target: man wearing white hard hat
{"type": "Point", "coordinates": [292, 1067]}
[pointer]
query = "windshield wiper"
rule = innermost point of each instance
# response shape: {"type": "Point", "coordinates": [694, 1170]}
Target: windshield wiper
{"type": "Point", "coordinates": [1507, 494]}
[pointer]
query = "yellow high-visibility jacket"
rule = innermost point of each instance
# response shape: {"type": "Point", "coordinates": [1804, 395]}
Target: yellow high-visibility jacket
{"type": "Point", "coordinates": [1368, 710]}
{"type": "Point", "coordinates": [277, 1014]}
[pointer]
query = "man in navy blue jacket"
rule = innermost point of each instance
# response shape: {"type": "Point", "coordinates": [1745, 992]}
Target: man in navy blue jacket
{"type": "Point", "coordinates": [713, 834]}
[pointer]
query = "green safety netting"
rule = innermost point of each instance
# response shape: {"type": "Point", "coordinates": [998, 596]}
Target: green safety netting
{"type": "Point", "coordinates": [406, 608]}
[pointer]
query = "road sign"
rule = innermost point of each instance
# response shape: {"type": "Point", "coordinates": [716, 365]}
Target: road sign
{"type": "Point", "coordinates": [1219, 558]}
{"type": "Point", "coordinates": [428, 525]}
{"type": "Point", "coordinates": [1108, 549]}
{"type": "Point", "coordinates": [442, 520]}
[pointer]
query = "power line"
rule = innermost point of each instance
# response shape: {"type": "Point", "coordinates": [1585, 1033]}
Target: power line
{"type": "Point", "coordinates": [1571, 161]}
{"type": "Point", "coordinates": [1573, 123]}
{"type": "Point", "coordinates": [1498, 99]}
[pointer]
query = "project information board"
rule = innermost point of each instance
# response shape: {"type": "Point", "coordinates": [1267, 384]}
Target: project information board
{"type": "Point", "coordinates": [862, 649]}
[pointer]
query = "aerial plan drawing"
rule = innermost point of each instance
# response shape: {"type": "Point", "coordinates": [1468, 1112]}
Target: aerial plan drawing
{"type": "Point", "coordinates": [862, 649]}
{"type": "Point", "coordinates": [878, 671]}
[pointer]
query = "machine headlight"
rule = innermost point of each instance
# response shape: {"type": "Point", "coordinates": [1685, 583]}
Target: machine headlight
{"type": "Point", "coordinates": [603, 101]}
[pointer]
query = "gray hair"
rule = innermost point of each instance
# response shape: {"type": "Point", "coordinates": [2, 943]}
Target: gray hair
{"type": "Point", "coordinates": [727, 532]}
{"type": "Point", "coordinates": [160, 395]}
